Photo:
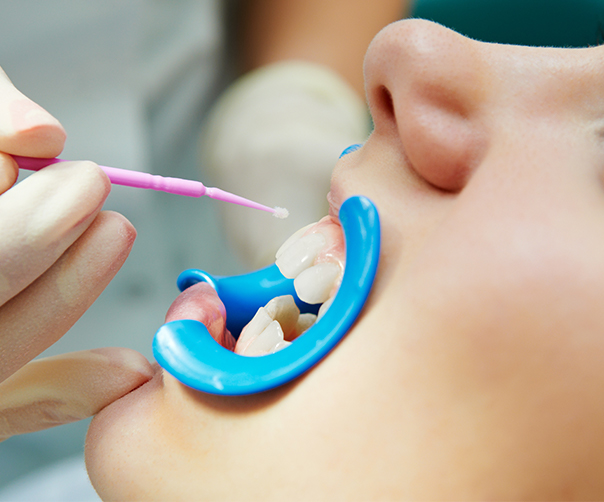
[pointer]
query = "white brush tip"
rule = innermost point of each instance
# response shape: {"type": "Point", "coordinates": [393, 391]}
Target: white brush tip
{"type": "Point", "coordinates": [281, 213]}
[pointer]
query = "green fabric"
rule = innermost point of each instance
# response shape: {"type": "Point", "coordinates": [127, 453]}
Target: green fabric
{"type": "Point", "coordinates": [554, 23]}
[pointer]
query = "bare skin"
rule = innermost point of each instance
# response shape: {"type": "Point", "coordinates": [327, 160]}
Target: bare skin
{"type": "Point", "coordinates": [475, 371]}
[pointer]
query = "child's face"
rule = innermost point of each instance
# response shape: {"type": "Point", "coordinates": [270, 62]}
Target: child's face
{"type": "Point", "coordinates": [477, 369]}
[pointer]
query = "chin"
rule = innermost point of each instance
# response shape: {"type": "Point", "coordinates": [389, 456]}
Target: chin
{"type": "Point", "coordinates": [117, 439]}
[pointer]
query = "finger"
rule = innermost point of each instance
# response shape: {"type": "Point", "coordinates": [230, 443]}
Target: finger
{"type": "Point", "coordinates": [42, 216]}
{"type": "Point", "coordinates": [42, 313]}
{"type": "Point", "coordinates": [62, 389]}
{"type": "Point", "coordinates": [25, 127]}
{"type": "Point", "coordinates": [8, 172]}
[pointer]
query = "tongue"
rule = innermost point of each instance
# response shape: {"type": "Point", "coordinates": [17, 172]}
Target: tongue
{"type": "Point", "coordinates": [201, 303]}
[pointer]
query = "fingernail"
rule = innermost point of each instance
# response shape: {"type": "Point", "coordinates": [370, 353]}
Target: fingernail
{"type": "Point", "coordinates": [18, 113]}
{"type": "Point", "coordinates": [126, 359]}
{"type": "Point", "coordinates": [20, 117]}
{"type": "Point", "coordinates": [25, 114]}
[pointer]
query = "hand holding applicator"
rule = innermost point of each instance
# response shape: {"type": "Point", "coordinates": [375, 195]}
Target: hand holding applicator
{"type": "Point", "coordinates": [177, 186]}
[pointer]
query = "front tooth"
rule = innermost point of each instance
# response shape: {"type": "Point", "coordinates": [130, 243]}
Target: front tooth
{"type": "Point", "coordinates": [315, 284]}
{"type": "Point", "coordinates": [284, 310]}
{"type": "Point", "coordinates": [305, 321]}
{"type": "Point", "coordinates": [292, 238]}
{"type": "Point", "coordinates": [257, 325]}
{"type": "Point", "coordinates": [281, 345]}
{"type": "Point", "coordinates": [265, 342]}
{"type": "Point", "coordinates": [324, 308]}
{"type": "Point", "coordinates": [300, 255]}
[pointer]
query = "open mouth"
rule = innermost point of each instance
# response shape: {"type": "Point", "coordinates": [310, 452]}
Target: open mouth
{"type": "Point", "coordinates": [314, 258]}
{"type": "Point", "coordinates": [331, 263]}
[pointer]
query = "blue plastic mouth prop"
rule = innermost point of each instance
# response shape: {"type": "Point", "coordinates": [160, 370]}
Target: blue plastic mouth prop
{"type": "Point", "coordinates": [188, 352]}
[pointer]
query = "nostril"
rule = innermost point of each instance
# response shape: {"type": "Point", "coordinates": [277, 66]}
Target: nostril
{"type": "Point", "coordinates": [386, 101]}
{"type": "Point", "coordinates": [426, 90]}
{"type": "Point", "coordinates": [381, 104]}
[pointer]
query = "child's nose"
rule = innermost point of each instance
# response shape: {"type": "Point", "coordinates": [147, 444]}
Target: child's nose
{"type": "Point", "coordinates": [425, 85]}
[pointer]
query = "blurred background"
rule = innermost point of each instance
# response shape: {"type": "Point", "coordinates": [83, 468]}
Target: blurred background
{"type": "Point", "coordinates": [131, 81]}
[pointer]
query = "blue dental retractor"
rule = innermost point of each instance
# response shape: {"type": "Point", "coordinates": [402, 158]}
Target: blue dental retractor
{"type": "Point", "coordinates": [187, 351]}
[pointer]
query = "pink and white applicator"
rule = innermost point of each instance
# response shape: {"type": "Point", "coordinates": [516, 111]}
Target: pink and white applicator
{"type": "Point", "coordinates": [177, 186]}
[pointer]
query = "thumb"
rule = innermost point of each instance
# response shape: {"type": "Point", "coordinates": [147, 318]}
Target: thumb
{"type": "Point", "coordinates": [25, 127]}
{"type": "Point", "coordinates": [62, 389]}
{"type": "Point", "coordinates": [8, 172]}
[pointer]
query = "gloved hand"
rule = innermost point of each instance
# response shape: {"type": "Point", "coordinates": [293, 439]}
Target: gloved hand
{"type": "Point", "coordinates": [57, 253]}
{"type": "Point", "coordinates": [274, 137]}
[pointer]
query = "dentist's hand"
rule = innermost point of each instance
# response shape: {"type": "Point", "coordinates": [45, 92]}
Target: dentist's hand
{"type": "Point", "coordinates": [57, 253]}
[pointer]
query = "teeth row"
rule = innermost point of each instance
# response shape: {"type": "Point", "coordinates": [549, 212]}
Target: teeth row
{"type": "Point", "coordinates": [297, 259]}
{"type": "Point", "coordinates": [304, 257]}
{"type": "Point", "coordinates": [273, 327]}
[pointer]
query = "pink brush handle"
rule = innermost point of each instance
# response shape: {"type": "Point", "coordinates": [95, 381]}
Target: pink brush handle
{"type": "Point", "coordinates": [137, 179]}
{"type": "Point", "coordinates": [127, 178]}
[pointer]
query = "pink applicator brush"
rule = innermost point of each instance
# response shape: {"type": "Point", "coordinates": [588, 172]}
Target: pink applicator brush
{"type": "Point", "coordinates": [177, 186]}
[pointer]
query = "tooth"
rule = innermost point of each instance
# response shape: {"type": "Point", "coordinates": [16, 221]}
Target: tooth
{"type": "Point", "coordinates": [292, 238]}
{"type": "Point", "coordinates": [315, 284]}
{"type": "Point", "coordinates": [265, 342]}
{"type": "Point", "coordinates": [280, 345]}
{"type": "Point", "coordinates": [325, 307]}
{"type": "Point", "coordinates": [284, 310]}
{"type": "Point", "coordinates": [305, 321]}
{"type": "Point", "coordinates": [300, 255]}
{"type": "Point", "coordinates": [257, 325]}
